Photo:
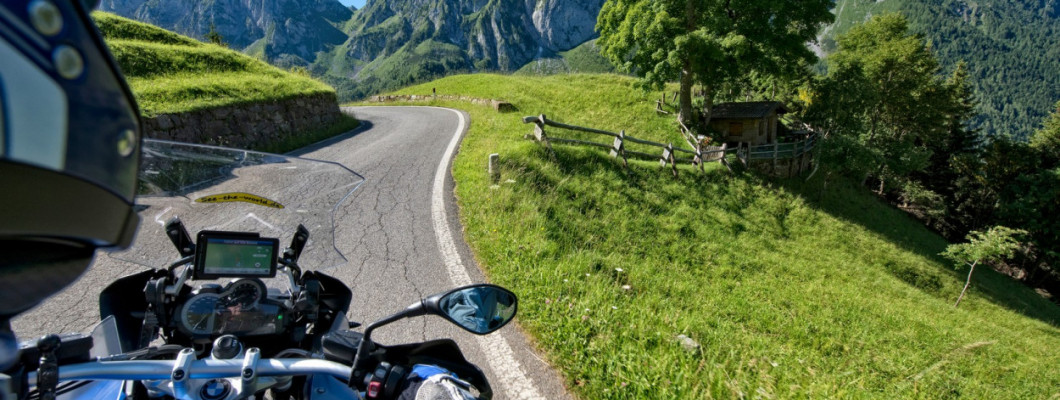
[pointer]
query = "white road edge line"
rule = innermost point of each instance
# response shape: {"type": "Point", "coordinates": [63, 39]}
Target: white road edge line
{"type": "Point", "coordinates": [516, 383]}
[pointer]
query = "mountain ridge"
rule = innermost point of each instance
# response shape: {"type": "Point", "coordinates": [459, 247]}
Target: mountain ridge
{"type": "Point", "coordinates": [385, 44]}
{"type": "Point", "coordinates": [1012, 47]}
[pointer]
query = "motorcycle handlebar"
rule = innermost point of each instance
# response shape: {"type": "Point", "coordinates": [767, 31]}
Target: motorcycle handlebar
{"type": "Point", "coordinates": [199, 369]}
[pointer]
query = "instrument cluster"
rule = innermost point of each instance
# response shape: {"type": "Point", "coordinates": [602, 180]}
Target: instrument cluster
{"type": "Point", "coordinates": [240, 308]}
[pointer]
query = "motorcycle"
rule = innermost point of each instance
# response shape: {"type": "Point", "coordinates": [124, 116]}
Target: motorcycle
{"type": "Point", "coordinates": [234, 316]}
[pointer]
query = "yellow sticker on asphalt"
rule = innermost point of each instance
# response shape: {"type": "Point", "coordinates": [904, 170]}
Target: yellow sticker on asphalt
{"type": "Point", "coordinates": [239, 196]}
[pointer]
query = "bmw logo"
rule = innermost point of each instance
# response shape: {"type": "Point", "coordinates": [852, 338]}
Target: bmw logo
{"type": "Point", "coordinates": [215, 389]}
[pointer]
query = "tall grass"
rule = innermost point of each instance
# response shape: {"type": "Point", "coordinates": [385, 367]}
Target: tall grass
{"type": "Point", "coordinates": [789, 291]}
{"type": "Point", "coordinates": [170, 73]}
{"type": "Point", "coordinates": [114, 27]}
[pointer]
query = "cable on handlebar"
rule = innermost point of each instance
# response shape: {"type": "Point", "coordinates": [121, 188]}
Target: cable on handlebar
{"type": "Point", "coordinates": [144, 353]}
{"type": "Point", "coordinates": [182, 261]}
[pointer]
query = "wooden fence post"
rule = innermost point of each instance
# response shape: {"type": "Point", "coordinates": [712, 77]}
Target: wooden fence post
{"type": "Point", "coordinates": [539, 133]}
{"type": "Point", "coordinates": [722, 160]}
{"type": "Point", "coordinates": [673, 159]}
{"type": "Point", "coordinates": [668, 157]}
{"type": "Point", "coordinates": [618, 148]}
{"type": "Point", "coordinates": [802, 157]}
{"type": "Point", "coordinates": [697, 160]}
{"type": "Point", "coordinates": [791, 163]}
{"type": "Point", "coordinates": [776, 154]}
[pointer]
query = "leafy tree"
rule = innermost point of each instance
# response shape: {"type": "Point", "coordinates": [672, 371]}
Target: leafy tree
{"type": "Point", "coordinates": [1011, 47]}
{"type": "Point", "coordinates": [709, 42]}
{"type": "Point", "coordinates": [835, 109]}
{"type": "Point", "coordinates": [1018, 184]}
{"type": "Point", "coordinates": [882, 87]}
{"type": "Point", "coordinates": [993, 245]}
{"type": "Point", "coordinates": [1047, 139]}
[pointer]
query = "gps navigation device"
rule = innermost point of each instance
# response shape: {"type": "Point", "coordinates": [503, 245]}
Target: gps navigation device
{"type": "Point", "coordinates": [234, 255]}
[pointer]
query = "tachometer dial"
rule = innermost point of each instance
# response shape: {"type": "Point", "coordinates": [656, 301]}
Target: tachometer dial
{"type": "Point", "coordinates": [199, 313]}
{"type": "Point", "coordinates": [244, 293]}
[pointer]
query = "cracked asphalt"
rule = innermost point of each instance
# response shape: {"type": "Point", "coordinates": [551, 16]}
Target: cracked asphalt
{"type": "Point", "coordinates": [384, 230]}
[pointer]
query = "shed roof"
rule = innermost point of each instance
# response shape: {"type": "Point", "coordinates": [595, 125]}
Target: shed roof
{"type": "Point", "coordinates": [753, 109]}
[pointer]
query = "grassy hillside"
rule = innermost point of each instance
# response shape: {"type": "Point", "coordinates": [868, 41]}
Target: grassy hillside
{"type": "Point", "coordinates": [585, 58]}
{"type": "Point", "coordinates": [171, 73]}
{"type": "Point", "coordinates": [790, 291]}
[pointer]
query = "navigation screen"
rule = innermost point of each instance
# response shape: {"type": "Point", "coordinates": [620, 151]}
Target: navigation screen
{"type": "Point", "coordinates": [221, 256]}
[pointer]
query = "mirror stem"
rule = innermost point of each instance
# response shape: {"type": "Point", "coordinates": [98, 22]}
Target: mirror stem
{"type": "Point", "coordinates": [360, 360]}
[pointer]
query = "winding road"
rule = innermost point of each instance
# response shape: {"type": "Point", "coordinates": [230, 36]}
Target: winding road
{"type": "Point", "coordinates": [401, 234]}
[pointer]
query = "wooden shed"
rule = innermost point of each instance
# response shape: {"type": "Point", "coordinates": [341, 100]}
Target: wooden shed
{"type": "Point", "coordinates": [751, 122]}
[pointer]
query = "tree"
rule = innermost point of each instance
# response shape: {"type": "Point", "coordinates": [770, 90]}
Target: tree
{"type": "Point", "coordinates": [214, 37]}
{"type": "Point", "coordinates": [993, 245]}
{"type": "Point", "coordinates": [883, 82]}
{"type": "Point", "coordinates": [1047, 139]}
{"type": "Point", "coordinates": [955, 156]}
{"type": "Point", "coordinates": [709, 42]}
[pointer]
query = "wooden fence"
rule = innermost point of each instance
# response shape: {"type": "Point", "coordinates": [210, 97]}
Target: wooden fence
{"type": "Point", "coordinates": [697, 155]}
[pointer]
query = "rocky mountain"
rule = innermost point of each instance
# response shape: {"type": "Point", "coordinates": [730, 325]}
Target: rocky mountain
{"type": "Point", "coordinates": [387, 43]}
{"type": "Point", "coordinates": [394, 43]}
{"type": "Point", "coordinates": [284, 32]}
{"type": "Point", "coordinates": [1012, 48]}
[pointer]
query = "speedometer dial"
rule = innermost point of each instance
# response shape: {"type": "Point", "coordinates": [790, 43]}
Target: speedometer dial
{"type": "Point", "coordinates": [198, 314]}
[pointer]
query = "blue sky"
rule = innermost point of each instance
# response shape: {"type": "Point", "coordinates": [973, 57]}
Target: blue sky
{"type": "Point", "coordinates": [357, 3]}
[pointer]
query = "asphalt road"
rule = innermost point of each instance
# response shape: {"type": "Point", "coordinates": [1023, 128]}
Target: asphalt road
{"type": "Point", "coordinates": [390, 235]}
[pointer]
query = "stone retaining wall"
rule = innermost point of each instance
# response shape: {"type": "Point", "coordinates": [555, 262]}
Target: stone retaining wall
{"type": "Point", "coordinates": [246, 125]}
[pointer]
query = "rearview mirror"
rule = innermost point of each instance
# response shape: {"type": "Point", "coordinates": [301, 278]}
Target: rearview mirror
{"type": "Point", "coordinates": [479, 309]}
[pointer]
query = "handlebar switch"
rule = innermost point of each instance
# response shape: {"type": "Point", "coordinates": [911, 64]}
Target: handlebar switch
{"type": "Point", "coordinates": [375, 385]}
{"type": "Point", "coordinates": [393, 381]}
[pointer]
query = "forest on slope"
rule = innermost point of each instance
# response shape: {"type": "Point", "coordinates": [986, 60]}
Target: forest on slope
{"type": "Point", "coordinates": [1011, 48]}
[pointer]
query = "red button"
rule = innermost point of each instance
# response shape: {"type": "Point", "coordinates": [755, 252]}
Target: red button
{"type": "Point", "coordinates": [374, 388]}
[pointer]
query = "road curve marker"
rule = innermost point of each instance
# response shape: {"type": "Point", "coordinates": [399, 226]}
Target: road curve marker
{"type": "Point", "coordinates": [516, 383]}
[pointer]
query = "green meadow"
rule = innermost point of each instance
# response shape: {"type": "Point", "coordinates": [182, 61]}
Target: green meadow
{"type": "Point", "coordinates": [786, 289]}
{"type": "Point", "coordinates": [170, 73]}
